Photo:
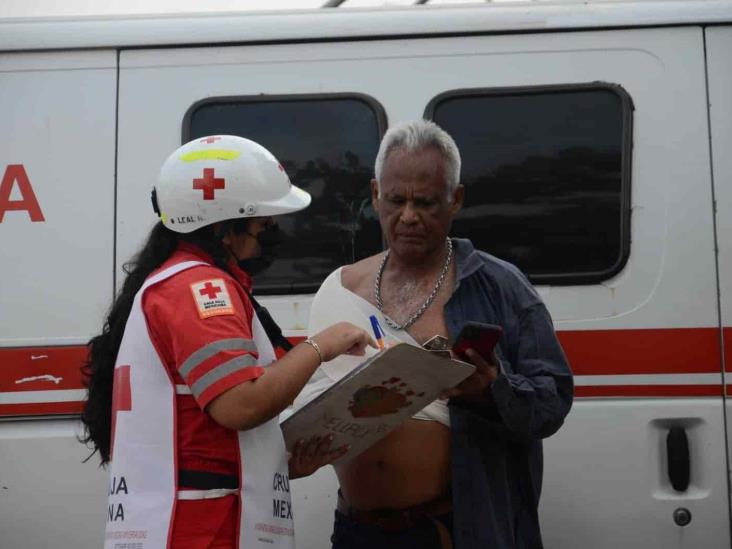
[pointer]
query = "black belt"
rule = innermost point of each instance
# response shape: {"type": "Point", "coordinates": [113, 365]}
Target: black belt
{"type": "Point", "coordinates": [203, 480]}
{"type": "Point", "coordinates": [397, 519]}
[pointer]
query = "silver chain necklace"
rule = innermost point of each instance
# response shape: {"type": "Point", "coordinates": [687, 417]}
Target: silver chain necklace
{"type": "Point", "coordinates": [419, 312]}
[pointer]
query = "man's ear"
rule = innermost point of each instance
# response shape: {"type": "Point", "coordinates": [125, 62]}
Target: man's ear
{"type": "Point", "coordinates": [375, 194]}
{"type": "Point", "coordinates": [458, 196]}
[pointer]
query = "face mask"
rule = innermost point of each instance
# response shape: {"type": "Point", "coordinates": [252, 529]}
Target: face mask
{"type": "Point", "coordinates": [268, 239]}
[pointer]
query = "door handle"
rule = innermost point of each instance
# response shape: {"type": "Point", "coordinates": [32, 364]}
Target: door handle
{"type": "Point", "coordinates": [677, 449]}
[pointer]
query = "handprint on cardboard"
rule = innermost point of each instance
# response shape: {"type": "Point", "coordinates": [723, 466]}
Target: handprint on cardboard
{"type": "Point", "coordinates": [379, 400]}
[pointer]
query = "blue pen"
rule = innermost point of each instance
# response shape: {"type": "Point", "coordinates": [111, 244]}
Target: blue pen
{"type": "Point", "coordinates": [377, 331]}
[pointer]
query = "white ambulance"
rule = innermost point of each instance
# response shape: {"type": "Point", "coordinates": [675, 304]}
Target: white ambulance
{"type": "Point", "coordinates": [597, 149]}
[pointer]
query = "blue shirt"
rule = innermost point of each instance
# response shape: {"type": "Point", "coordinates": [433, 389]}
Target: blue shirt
{"type": "Point", "coordinates": [496, 446]}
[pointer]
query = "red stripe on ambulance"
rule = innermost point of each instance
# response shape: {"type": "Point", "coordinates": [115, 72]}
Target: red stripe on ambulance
{"type": "Point", "coordinates": [645, 391]}
{"type": "Point", "coordinates": [41, 368]}
{"type": "Point", "coordinates": [41, 409]}
{"type": "Point", "coordinates": [653, 351]}
{"type": "Point", "coordinates": [51, 376]}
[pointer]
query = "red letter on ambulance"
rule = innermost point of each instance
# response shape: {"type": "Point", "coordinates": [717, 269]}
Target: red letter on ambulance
{"type": "Point", "coordinates": [16, 173]}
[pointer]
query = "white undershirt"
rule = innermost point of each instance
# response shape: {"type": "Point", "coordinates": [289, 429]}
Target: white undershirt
{"type": "Point", "coordinates": [335, 303]}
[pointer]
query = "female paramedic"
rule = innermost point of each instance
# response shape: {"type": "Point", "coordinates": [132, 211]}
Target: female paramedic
{"type": "Point", "coordinates": [184, 387]}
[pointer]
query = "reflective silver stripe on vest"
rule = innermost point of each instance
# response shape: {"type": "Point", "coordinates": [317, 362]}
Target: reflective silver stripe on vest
{"type": "Point", "coordinates": [207, 351]}
{"type": "Point", "coordinates": [205, 494]}
{"type": "Point", "coordinates": [220, 372]}
{"type": "Point", "coordinates": [183, 390]}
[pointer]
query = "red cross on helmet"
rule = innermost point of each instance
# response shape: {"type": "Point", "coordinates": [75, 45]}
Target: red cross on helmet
{"type": "Point", "coordinates": [222, 177]}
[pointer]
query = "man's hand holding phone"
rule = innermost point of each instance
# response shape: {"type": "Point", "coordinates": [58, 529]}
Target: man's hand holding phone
{"type": "Point", "coordinates": [476, 344]}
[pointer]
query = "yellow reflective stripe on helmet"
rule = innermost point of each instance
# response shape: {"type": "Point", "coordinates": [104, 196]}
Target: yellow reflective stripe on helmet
{"type": "Point", "coordinates": [210, 154]}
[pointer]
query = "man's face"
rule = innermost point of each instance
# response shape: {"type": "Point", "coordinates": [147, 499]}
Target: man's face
{"type": "Point", "coordinates": [414, 208]}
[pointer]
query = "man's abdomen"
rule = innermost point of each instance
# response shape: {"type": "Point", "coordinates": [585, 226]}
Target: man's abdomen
{"type": "Point", "coordinates": [409, 467]}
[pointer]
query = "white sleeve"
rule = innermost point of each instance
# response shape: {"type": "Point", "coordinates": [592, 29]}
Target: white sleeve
{"type": "Point", "coordinates": [331, 304]}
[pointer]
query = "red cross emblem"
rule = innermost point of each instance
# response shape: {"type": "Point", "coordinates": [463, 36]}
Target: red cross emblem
{"type": "Point", "coordinates": [208, 183]}
{"type": "Point", "coordinates": [211, 139]}
{"type": "Point", "coordinates": [121, 398]}
{"type": "Point", "coordinates": [209, 290]}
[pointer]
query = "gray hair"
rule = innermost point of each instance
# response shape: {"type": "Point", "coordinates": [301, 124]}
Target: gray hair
{"type": "Point", "coordinates": [415, 136]}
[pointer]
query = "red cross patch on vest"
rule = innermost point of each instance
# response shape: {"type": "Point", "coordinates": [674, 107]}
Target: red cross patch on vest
{"type": "Point", "coordinates": [212, 298]}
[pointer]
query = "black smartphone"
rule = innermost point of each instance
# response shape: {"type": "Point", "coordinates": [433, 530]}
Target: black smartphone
{"type": "Point", "coordinates": [480, 337]}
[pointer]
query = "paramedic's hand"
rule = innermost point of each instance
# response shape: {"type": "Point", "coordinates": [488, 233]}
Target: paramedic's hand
{"type": "Point", "coordinates": [343, 338]}
{"type": "Point", "coordinates": [308, 457]}
{"type": "Point", "coordinates": [475, 386]}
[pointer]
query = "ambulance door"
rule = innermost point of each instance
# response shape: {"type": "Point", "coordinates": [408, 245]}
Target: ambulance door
{"type": "Point", "coordinates": [57, 242]}
{"type": "Point", "coordinates": [719, 45]}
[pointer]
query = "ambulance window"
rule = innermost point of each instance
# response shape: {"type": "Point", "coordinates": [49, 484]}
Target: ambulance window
{"type": "Point", "coordinates": [547, 176]}
{"type": "Point", "coordinates": [327, 145]}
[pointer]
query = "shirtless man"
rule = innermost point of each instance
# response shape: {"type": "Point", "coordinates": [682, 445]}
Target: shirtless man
{"type": "Point", "coordinates": [466, 475]}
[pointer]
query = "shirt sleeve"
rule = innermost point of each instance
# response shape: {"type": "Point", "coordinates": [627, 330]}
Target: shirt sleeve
{"type": "Point", "coordinates": [534, 395]}
{"type": "Point", "coordinates": [201, 326]}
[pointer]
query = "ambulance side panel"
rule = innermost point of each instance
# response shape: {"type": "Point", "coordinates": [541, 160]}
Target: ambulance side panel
{"type": "Point", "coordinates": [719, 46]}
{"type": "Point", "coordinates": [57, 238]}
{"type": "Point", "coordinates": [643, 343]}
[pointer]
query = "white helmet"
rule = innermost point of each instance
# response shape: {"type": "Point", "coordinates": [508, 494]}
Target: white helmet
{"type": "Point", "coordinates": [222, 177]}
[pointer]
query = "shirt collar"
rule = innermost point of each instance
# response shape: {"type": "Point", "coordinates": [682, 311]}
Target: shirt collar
{"type": "Point", "coordinates": [467, 258]}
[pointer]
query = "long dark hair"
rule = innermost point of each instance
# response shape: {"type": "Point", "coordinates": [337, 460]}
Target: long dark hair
{"type": "Point", "coordinates": [98, 372]}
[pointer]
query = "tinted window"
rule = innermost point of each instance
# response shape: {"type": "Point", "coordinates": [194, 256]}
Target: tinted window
{"type": "Point", "coordinates": [546, 175]}
{"type": "Point", "coordinates": [328, 146]}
